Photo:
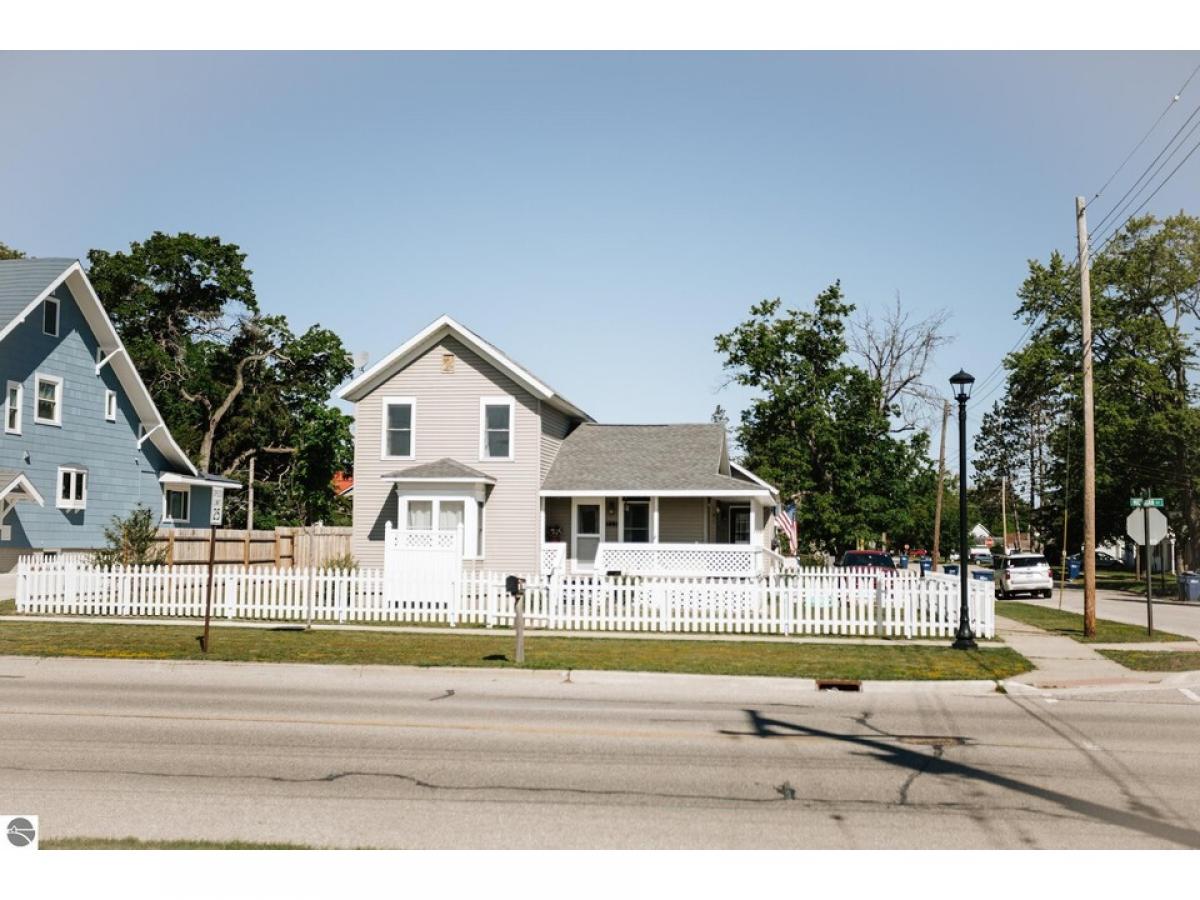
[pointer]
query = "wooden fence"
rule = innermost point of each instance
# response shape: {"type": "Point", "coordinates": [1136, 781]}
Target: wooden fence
{"type": "Point", "coordinates": [806, 602]}
{"type": "Point", "coordinates": [281, 548]}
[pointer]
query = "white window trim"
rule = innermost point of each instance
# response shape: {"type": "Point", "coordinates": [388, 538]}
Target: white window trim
{"type": "Point", "coordinates": [577, 502]}
{"type": "Point", "coordinates": [110, 406]}
{"type": "Point", "coordinates": [166, 513]}
{"type": "Point", "coordinates": [649, 501]}
{"type": "Point", "coordinates": [61, 503]}
{"type": "Point", "coordinates": [57, 316]}
{"type": "Point", "coordinates": [38, 378]}
{"type": "Point", "coordinates": [412, 427]}
{"type": "Point", "coordinates": [484, 403]}
{"type": "Point", "coordinates": [20, 404]}
{"type": "Point", "coordinates": [472, 508]}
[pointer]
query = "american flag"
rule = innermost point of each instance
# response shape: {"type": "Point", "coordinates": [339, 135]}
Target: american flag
{"type": "Point", "coordinates": [787, 524]}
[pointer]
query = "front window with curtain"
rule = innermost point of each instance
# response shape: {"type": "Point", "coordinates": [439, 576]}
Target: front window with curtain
{"type": "Point", "coordinates": [636, 514]}
{"type": "Point", "coordinates": [398, 429]}
{"type": "Point", "coordinates": [450, 515]}
{"type": "Point", "coordinates": [420, 515]}
{"type": "Point", "coordinates": [497, 429]}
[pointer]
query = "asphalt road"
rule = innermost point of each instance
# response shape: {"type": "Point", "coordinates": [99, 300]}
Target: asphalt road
{"type": "Point", "coordinates": [380, 757]}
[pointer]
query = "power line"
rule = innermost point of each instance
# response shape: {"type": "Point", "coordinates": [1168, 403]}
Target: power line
{"type": "Point", "coordinates": [1162, 115]}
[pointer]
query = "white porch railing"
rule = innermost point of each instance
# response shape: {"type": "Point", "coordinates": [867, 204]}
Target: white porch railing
{"type": "Point", "coordinates": [554, 558]}
{"type": "Point", "coordinates": [808, 601]}
{"type": "Point", "coordinates": [690, 560]}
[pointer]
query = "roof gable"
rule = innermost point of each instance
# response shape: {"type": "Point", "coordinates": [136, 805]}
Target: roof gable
{"type": "Point", "coordinates": [428, 337]}
{"type": "Point", "coordinates": [20, 280]}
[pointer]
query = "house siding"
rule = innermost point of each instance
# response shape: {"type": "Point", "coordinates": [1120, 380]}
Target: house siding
{"type": "Point", "coordinates": [120, 474]}
{"type": "Point", "coordinates": [555, 427]}
{"type": "Point", "coordinates": [681, 520]}
{"type": "Point", "coordinates": [446, 423]}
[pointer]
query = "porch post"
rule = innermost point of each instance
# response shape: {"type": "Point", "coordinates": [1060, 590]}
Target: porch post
{"type": "Point", "coordinates": [654, 520]}
{"type": "Point", "coordinates": [756, 538]}
{"type": "Point", "coordinates": [541, 541]}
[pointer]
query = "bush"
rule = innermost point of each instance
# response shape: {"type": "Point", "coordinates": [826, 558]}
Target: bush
{"type": "Point", "coordinates": [131, 541]}
{"type": "Point", "coordinates": [344, 562]}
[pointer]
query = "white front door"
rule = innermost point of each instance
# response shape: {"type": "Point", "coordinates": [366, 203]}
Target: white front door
{"type": "Point", "coordinates": [585, 536]}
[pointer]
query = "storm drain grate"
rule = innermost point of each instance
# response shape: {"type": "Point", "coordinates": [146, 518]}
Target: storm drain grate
{"type": "Point", "coordinates": [838, 684]}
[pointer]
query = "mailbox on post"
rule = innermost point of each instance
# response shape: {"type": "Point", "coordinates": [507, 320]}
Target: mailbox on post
{"type": "Point", "coordinates": [516, 589]}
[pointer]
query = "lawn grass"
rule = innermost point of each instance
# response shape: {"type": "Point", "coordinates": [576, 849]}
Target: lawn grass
{"type": "Point", "coordinates": [1070, 624]}
{"type": "Point", "coordinates": [1156, 661]}
{"type": "Point", "coordinates": [765, 657]}
{"type": "Point", "coordinates": [132, 843]}
{"type": "Point", "coordinates": [8, 607]}
{"type": "Point", "coordinates": [1113, 580]}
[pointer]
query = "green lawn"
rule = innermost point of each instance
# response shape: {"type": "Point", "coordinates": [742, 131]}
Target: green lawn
{"type": "Point", "coordinates": [1071, 625]}
{"type": "Point", "coordinates": [8, 607]}
{"type": "Point", "coordinates": [130, 843]}
{"type": "Point", "coordinates": [765, 657]}
{"type": "Point", "coordinates": [1156, 661]}
{"type": "Point", "coordinates": [1127, 581]}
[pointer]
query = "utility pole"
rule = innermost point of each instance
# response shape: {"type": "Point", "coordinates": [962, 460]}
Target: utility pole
{"type": "Point", "coordinates": [937, 509]}
{"type": "Point", "coordinates": [1089, 425]}
{"type": "Point", "coordinates": [250, 499]}
{"type": "Point", "coordinates": [1062, 584]}
{"type": "Point", "coordinates": [1004, 509]}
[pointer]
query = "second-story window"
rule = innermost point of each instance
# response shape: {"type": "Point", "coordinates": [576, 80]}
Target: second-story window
{"type": "Point", "coordinates": [50, 308]}
{"type": "Point", "coordinates": [47, 409]}
{"type": "Point", "coordinates": [496, 421]}
{"type": "Point", "coordinates": [13, 397]}
{"type": "Point", "coordinates": [398, 416]}
{"type": "Point", "coordinates": [72, 488]}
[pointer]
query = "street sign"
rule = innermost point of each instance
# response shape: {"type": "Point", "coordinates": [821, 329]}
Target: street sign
{"type": "Point", "coordinates": [1136, 523]}
{"type": "Point", "coordinates": [1152, 502]}
{"type": "Point", "coordinates": [216, 510]}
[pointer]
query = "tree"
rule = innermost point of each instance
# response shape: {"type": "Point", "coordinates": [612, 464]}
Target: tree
{"type": "Point", "coordinates": [231, 381]}
{"type": "Point", "coordinates": [131, 541]}
{"type": "Point", "coordinates": [895, 350]}
{"type": "Point", "coordinates": [7, 252]}
{"type": "Point", "coordinates": [817, 428]}
{"type": "Point", "coordinates": [1146, 290]}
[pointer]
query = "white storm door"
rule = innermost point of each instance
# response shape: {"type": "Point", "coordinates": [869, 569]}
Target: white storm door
{"type": "Point", "coordinates": [586, 535]}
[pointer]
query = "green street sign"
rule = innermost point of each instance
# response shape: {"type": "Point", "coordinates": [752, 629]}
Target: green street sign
{"type": "Point", "coordinates": [1152, 502]}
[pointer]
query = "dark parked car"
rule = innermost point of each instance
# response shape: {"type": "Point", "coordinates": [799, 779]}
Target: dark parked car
{"type": "Point", "coordinates": [869, 559]}
{"type": "Point", "coordinates": [1103, 560]}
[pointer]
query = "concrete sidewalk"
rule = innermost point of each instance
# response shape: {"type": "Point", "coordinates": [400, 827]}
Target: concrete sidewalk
{"type": "Point", "coordinates": [1063, 662]}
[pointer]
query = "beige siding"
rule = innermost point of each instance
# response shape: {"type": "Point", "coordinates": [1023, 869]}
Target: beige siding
{"type": "Point", "coordinates": [555, 426]}
{"type": "Point", "coordinates": [681, 520]}
{"type": "Point", "coordinates": [446, 423]}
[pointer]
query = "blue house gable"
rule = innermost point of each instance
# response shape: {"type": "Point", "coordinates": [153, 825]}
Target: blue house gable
{"type": "Point", "coordinates": [81, 440]}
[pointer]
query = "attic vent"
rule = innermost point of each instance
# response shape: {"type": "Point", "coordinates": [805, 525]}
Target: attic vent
{"type": "Point", "coordinates": [448, 363]}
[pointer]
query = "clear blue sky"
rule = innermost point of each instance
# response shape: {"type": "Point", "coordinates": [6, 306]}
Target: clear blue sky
{"type": "Point", "coordinates": [599, 216]}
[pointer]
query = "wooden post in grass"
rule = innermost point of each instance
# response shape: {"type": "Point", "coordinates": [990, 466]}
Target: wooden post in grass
{"type": "Point", "coordinates": [516, 589]}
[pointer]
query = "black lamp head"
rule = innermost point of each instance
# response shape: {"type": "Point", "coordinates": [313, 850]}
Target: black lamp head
{"type": "Point", "coordinates": [962, 385]}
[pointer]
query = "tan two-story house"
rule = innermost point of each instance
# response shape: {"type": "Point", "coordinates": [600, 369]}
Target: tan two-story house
{"type": "Point", "coordinates": [453, 435]}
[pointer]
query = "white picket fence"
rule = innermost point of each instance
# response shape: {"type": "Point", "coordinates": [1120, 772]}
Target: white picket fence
{"type": "Point", "coordinates": [804, 602]}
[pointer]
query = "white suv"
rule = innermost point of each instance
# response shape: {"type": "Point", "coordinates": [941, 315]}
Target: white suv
{"type": "Point", "coordinates": [1023, 573]}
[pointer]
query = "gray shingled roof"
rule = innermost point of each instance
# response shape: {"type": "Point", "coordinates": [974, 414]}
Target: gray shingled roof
{"type": "Point", "coordinates": [643, 458]}
{"type": "Point", "coordinates": [440, 468]}
{"type": "Point", "coordinates": [21, 280]}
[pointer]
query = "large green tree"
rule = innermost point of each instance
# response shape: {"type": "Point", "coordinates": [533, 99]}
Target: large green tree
{"type": "Point", "coordinates": [232, 382]}
{"type": "Point", "coordinates": [7, 252]}
{"type": "Point", "coordinates": [818, 429]}
{"type": "Point", "coordinates": [1145, 298]}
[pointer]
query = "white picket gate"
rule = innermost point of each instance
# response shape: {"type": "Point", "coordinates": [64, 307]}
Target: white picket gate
{"type": "Point", "coordinates": [847, 602]}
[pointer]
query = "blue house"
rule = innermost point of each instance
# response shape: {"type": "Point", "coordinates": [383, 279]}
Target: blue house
{"type": "Point", "coordinates": [81, 440]}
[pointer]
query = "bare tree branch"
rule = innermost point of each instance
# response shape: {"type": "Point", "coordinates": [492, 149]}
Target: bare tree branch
{"type": "Point", "coordinates": [896, 351]}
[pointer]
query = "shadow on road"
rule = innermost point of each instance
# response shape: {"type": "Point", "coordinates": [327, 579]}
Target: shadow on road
{"type": "Point", "coordinates": [922, 763]}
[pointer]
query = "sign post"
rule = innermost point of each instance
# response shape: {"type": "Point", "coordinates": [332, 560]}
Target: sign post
{"type": "Point", "coordinates": [1147, 530]}
{"type": "Point", "coordinates": [216, 511]}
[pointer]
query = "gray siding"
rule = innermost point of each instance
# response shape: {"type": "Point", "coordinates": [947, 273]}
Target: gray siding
{"type": "Point", "coordinates": [120, 475]}
{"type": "Point", "coordinates": [681, 520]}
{"type": "Point", "coordinates": [446, 423]}
{"type": "Point", "coordinates": [555, 426]}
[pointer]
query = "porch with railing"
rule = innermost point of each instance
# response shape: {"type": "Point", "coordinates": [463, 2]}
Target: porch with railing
{"type": "Point", "coordinates": [676, 559]}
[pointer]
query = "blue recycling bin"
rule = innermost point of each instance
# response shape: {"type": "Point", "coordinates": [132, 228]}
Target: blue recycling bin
{"type": "Point", "coordinates": [950, 569]}
{"type": "Point", "coordinates": [983, 575]}
{"type": "Point", "coordinates": [903, 560]}
{"type": "Point", "coordinates": [1073, 566]}
{"type": "Point", "coordinates": [926, 564]}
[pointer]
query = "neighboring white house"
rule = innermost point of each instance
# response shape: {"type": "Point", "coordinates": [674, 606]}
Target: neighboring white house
{"type": "Point", "coordinates": [451, 433]}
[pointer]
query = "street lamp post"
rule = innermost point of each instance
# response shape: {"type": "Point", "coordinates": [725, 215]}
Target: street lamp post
{"type": "Point", "coordinates": [964, 638]}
